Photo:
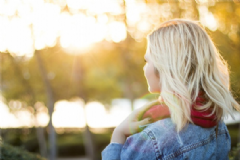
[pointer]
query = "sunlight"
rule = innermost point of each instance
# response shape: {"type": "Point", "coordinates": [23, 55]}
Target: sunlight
{"type": "Point", "coordinates": [108, 6]}
{"type": "Point", "coordinates": [21, 118]}
{"type": "Point", "coordinates": [78, 4]}
{"type": "Point", "coordinates": [207, 18]}
{"type": "Point", "coordinates": [9, 7]}
{"type": "Point", "coordinates": [45, 25]}
{"type": "Point", "coordinates": [96, 6]}
{"type": "Point", "coordinates": [202, 1]}
{"type": "Point", "coordinates": [96, 115]}
{"type": "Point", "coordinates": [3, 28]}
{"type": "Point", "coordinates": [78, 31]}
{"type": "Point", "coordinates": [18, 37]}
{"type": "Point", "coordinates": [139, 103]}
{"type": "Point", "coordinates": [120, 109]}
{"type": "Point", "coordinates": [68, 115]}
{"type": "Point", "coordinates": [211, 22]}
{"type": "Point", "coordinates": [134, 11]}
{"type": "Point", "coordinates": [7, 120]}
{"type": "Point", "coordinates": [35, 25]}
{"type": "Point", "coordinates": [25, 118]}
{"type": "Point", "coordinates": [117, 31]}
{"type": "Point", "coordinates": [102, 19]}
{"type": "Point", "coordinates": [42, 119]}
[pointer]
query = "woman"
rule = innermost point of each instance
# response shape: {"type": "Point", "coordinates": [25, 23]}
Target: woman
{"type": "Point", "coordinates": [181, 63]}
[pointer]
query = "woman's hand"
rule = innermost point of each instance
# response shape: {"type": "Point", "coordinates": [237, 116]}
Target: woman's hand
{"type": "Point", "coordinates": [131, 124]}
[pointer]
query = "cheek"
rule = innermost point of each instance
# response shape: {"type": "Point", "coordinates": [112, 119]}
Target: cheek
{"type": "Point", "coordinates": [152, 78]}
{"type": "Point", "coordinates": [149, 71]}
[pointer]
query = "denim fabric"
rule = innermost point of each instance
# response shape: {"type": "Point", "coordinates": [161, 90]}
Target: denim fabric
{"type": "Point", "coordinates": [160, 141]}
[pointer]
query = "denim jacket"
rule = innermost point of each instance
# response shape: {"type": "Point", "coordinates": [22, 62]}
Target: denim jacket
{"type": "Point", "coordinates": [160, 141]}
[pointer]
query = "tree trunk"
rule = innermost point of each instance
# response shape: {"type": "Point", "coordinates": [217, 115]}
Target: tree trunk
{"type": "Point", "coordinates": [41, 141]}
{"type": "Point", "coordinates": [50, 105]}
{"type": "Point", "coordinates": [30, 92]}
{"type": "Point", "coordinates": [88, 143]}
{"type": "Point", "coordinates": [128, 91]}
{"type": "Point", "coordinates": [88, 138]}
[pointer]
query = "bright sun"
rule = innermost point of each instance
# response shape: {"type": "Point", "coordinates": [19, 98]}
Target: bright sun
{"type": "Point", "coordinates": [29, 25]}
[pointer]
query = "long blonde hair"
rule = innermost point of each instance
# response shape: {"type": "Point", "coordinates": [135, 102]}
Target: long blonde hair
{"type": "Point", "coordinates": [187, 62]}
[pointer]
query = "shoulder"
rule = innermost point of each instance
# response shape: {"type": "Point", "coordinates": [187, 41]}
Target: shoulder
{"type": "Point", "coordinates": [138, 146]}
{"type": "Point", "coordinates": [146, 144]}
{"type": "Point", "coordinates": [169, 144]}
{"type": "Point", "coordinates": [165, 128]}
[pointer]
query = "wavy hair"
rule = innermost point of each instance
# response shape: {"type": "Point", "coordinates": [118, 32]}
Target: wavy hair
{"type": "Point", "coordinates": [188, 62]}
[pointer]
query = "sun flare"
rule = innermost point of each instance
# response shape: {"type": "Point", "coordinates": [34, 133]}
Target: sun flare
{"type": "Point", "coordinates": [40, 24]}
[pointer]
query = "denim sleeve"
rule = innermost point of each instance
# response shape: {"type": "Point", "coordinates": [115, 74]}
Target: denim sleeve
{"type": "Point", "coordinates": [112, 152]}
{"type": "Point", "coordinates": [138, 146]}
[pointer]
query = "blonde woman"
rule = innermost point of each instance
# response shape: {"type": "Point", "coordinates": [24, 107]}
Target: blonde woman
{"type": "Point", "coordinates": [182, 64]}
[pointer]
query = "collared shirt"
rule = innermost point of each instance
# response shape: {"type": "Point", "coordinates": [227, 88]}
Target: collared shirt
{"type": "Point", "coordinates": [160, 141]}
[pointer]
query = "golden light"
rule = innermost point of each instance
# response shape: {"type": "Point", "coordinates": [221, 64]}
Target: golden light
{"type": "Point", "coordinates": [18, 37]}
{"type": "Point", "coordinates": [144, 26]}
{"type": "Point", "coordinates": [7, 119]}
{"type": "Point", "coordinates": [102, 19]}
{"type": "Point", "coordinates": [45, 22]}
{"type": "Point", "coordinates": [117, 31]}
{"type": "Point", "coordinates": [29, 25]}
{"type": "Point", "coordinates": [77, 4]}
{"type": "Point", "coordinates": [120, 109]}
{"type": "Point", "coordinates": [207, 18]}
{"type": "Point", "coordinates": [134, 11]}
{"type": "Point", "coordinates": [3, 28]}
{"type": "Point", "coordinates": [42, 119]}
{"type": "Point", "coordinates": [96, 6]}
{"type": "Point", "coordinates": [25, 118]}
{"type": "Point", "coordinates": [78, 31]}
{"type": "Point", "coordinates": [68, 114]}
{"type": "Point", "coordinates": [105, 6]}
{"type": "Point", "coordinates": [20, 118]}
{"type": "Point", "coordinates": [9, 7]}
{"type": "Point", "coordinates": [96, 115]}
{"type": "Point", "coordinates": [211, 22]}
{"type": "Point", "coordinates": [203, 1]}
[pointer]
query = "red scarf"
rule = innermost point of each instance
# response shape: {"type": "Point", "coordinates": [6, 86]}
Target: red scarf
{"type": "Point", "coordinates": [199, 118]}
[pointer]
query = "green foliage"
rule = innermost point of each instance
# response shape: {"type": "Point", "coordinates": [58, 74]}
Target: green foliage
{"type": "Point", "coordinates": [111, 70]}
{"type": "Point", "coordinates": [9, 152]}
{"type": "Point", "coordinates": [234, 135]}
{"type": "Point", "coordinates": [235, 153]}
{"type": "Point", "coordinates": [100, 74]}
{"type": "Point", "coordinates": [70, 143]}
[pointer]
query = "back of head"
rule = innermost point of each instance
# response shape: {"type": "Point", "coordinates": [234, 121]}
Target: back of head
{"type": "Point", "coordinates": [188, 62]}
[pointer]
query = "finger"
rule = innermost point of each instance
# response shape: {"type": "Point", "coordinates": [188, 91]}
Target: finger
{"type": "Point", "coordinates": [135, 127]}
{"type": "Point", "coordinates": [144, 122]}
{"type": "Point", "coordinates": [140, 125]}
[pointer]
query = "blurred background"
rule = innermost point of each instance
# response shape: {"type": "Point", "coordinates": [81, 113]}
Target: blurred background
{"type": "Point", "coordinates": [71, 70]}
